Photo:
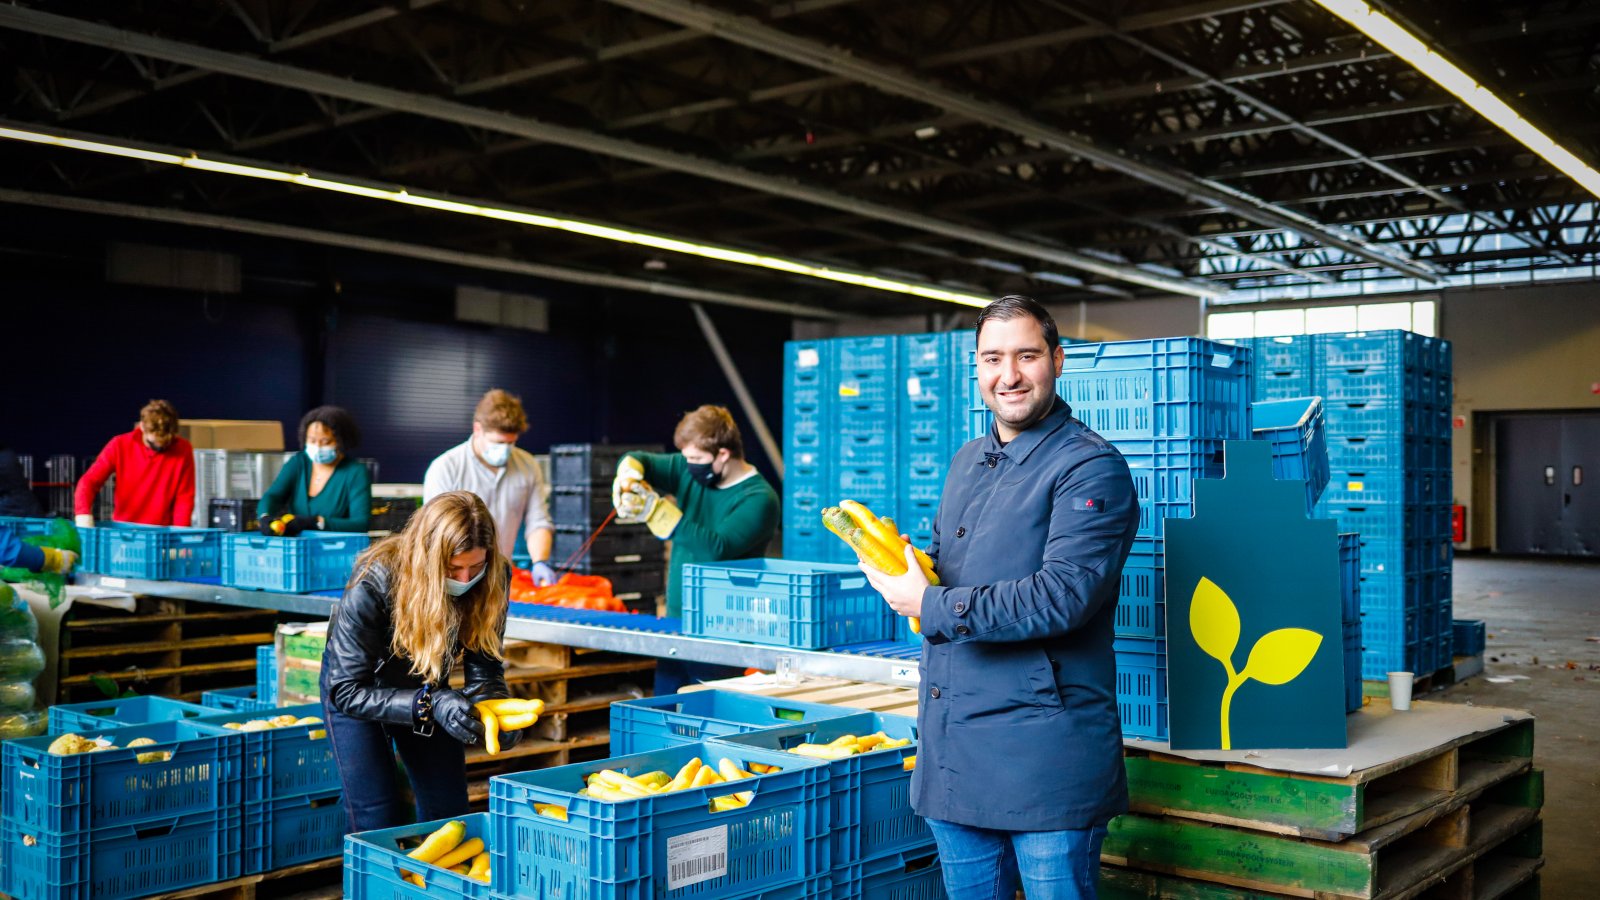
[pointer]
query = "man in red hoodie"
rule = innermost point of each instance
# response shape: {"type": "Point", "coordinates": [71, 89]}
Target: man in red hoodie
{"type": "Point", "coordinates": [154, 469]}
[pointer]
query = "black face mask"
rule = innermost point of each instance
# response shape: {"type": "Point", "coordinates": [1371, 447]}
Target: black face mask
{"type": "Point", "coordinates": [154, 448]}
{"type": "Point", "coordinates": [704, 473]}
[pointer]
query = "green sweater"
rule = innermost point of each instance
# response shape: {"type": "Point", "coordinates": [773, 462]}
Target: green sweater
{"type": "Point", "coordinates": [345, 503]}
{"type": "Point", "coordinates": [735, 522]}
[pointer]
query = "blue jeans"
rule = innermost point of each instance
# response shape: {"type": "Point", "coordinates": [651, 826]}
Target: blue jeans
{"type": "Point", "coordinates": [983, 864]}
{"type": "Point", "coordinates": [365, 752]}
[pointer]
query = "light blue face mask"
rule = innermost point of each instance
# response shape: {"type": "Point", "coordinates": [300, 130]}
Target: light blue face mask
{"type": "Point", "coordinates": [322, 454]}
{"type": "Point", "coordinates": [456, 588]}
{"type": "Point", "coordinates": [495, 453]}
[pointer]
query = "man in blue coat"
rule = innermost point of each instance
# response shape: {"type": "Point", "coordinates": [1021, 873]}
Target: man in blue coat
{"type": "Point", "coordinates": [1020, 760]}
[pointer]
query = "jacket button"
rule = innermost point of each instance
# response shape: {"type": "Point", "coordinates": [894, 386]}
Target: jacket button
{"type": "Point", "coordinates": [963, 630]}
{"type": "Point", "coordinates": [991, 462]}
{"type": "Point", "coordinates": [961, 531]}
{"type": "Point", "coordinates": [960, 607]}
{"type": "Point", "coordinates": [933, 692]}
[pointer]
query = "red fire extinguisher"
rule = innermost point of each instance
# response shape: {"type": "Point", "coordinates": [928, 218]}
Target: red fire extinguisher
{"type": "Point", "coordinates": [1458, 524]}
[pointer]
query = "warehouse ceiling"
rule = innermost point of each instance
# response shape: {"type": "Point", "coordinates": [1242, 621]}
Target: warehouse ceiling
{"type": "Point", "coordinates": [1063, 148]}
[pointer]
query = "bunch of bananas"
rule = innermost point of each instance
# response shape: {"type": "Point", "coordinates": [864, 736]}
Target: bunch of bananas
{"type": "Point", "coordinates": [505, 715]}
{"type": "Point", "coordinates": [449, 848]}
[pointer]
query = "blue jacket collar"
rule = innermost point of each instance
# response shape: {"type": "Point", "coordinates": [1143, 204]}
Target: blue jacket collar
{"type": "Point", "coordinates": [1023, 445]}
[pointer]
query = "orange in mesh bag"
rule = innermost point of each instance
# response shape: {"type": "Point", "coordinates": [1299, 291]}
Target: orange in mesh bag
{"type": "Point", "coordinates": [571, 590]}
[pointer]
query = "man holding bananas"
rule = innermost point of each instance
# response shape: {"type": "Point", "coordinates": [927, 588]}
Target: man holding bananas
{"type": "Point", "coordinates": [1020, 762]}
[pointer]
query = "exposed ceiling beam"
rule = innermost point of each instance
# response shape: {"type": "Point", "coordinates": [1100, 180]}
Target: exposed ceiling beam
{"type": "Point", "coordinates": [66, 28]}
{"type": "Point", "coordinates": [188, 218]}
{"type": "Point", "coordinates": [764, 38]}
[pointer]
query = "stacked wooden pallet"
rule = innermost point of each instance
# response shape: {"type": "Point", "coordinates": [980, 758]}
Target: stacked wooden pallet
{"type": "Point", "coordinates": [1438, 802]}
{"type": "Point", "coordinates": [166, 647]}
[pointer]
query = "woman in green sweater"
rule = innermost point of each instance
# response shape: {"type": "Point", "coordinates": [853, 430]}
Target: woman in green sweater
{"type": "Point", "coordinates": [323, 488]}
{"type": "Point", "coordinates": [725, 510]}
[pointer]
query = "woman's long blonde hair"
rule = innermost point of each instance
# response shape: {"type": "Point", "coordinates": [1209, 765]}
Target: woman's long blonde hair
{"type": "Point", "coordinates": [427, 621]}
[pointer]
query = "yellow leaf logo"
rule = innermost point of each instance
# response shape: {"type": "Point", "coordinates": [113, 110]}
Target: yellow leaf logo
{"type": "Point", "coordinates": [1278, 657]}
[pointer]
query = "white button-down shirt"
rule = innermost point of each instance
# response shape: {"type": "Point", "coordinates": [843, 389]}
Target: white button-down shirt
{"type": "Point", "coordinates": [515, 494]}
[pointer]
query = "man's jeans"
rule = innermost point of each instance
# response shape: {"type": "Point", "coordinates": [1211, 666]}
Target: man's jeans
{"type": "Point", "coordinates": [982, 864]}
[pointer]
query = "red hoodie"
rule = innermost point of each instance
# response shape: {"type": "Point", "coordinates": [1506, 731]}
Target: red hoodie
{"type": "Point", "coordinates": [152, 488]}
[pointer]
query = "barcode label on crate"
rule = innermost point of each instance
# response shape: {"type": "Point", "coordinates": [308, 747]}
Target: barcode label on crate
{"type": "Point", "coordinates": [697, 856]}
{"type": "Point", "coordinates": [914, 387]}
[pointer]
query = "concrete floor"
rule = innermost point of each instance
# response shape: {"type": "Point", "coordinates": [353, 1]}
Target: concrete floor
{"type": "Point", "coordinates": [1542, 615]}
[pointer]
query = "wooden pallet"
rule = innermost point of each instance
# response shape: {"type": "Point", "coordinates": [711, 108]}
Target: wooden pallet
{"type": "Point", "coordinates": [174, 648]}
{"type": "Point", "coordinates": [880, 698]}
{"type": "Point", "coordinates": [320, 880]}
{"type": "Point", "coordinates": [1394, 861]}
{"type": "Point", "coordinates": [1323, 807]}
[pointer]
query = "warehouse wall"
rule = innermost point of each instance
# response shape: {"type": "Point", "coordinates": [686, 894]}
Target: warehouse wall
{"type": "Point", "coordinates": [374, 334]}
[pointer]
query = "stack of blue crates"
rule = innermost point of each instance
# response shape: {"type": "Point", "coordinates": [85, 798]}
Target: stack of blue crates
{"type": "Point", "coordinates": [1386, 397]}
{"type": "Point", "coordinates": [871, 419]}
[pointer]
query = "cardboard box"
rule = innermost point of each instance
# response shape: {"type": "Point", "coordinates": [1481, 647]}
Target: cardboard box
{"type": "Point", "coordinates": [300, 648]}
{"type": "Point", "coordinates": [232, 434]}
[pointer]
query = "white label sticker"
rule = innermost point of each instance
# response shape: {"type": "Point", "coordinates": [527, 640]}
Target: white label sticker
{"type": "Point", "coordinates": [914, 387]}
{"type": "Point", "coordinates": [807, 358]}
{"type": "Point", "coordinates": [905, 675]}
{"type": "Point", "coordinates": [108, 581]}
{"type": "Point", "coordinates": [697, 856]}
{"type": "Point", "coordinates": [629, 558]}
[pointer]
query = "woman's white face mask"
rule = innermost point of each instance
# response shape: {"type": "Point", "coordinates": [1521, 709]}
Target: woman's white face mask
{"type": "Point", "coordinates": [472, 559]}
{"type": "Point", "coordinates": [456, 588]}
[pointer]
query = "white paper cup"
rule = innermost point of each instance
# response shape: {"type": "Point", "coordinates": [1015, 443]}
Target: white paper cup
{"type": "Point", "coordinates": [1400, 690]}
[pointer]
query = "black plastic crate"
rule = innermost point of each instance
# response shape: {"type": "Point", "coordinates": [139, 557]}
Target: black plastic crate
{"type": "Point", "coordinates": [392, 513]}
{"type": "Point", "coordinates": [582, 507]}
{"type": "Point", "coordinates": [637, 585]}
{"type": "Point", "coordinates": [590, 465]}
{"type": "Point", "coordinates": [614, 546]}
{"type": "Point", "coordinates": [233, 514]}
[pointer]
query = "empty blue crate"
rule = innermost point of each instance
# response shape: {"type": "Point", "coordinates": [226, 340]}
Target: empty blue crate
{"type": "Point", "coordinates": [1295, 429]}
{"type": "Point", "coordinates": [782, 602]}
{"type": "Point", "coordinates": [27, 526]}
{"type": "Point", "coordinates": [1166, 388]}
{"type": "Point", "coordinates": [900, 876]}
{"type": "Point", "coordinates": [119, 861]}
{"type": "Point", "coordinates": [870, 794]}
{"type": "Point", "coordinates": [552, 841]}
{"type": "Point", "coordinates": [1369, 418]}
{"type": "Point", "coordinates": [928, 350]}
{"type": "Point", "coordinates": [865, 354]}
{"type": "Point", "coordinates": [1282, 367]}
{"type": "Point", "coordinates": [1142, 602]}
{"type": "Point", "coordinates": [121, 712]}
{"type": "Point", "coordinates": [290, 831]}
{"type": "Point", "coordinates": [198, 772]}
{"type": "Point", "coordinates": [267, 673]}
{"type": "Point", "coordinates": [654, 723]}
{"type": "Point", "coordinates": [375, 864]}
{"type": "Point", "coordinates": [1470, 636]}
{"type": "Point", "coordinates": [314, 561]}
{"type": "Point", "coordinates": [155, 553]}
{"type": "Point", "coordinates": [1367, 348]}
{"type": "Point", "coordinates": [1142, 694]}
{"type": "Point", "coordinates": [284, 761]}
{"type": "Point", "coordinates": [239, 699]}
{"type": "Point", "coordinates": [1164, 472]}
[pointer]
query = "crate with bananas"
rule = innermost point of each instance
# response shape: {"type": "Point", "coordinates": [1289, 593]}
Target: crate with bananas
{"type": "Point", "coordinates": [444, 858]}
{"type": "Point", "coordinates": [651, 824]}
{"type": "Point", "coordinates": [871, 757]}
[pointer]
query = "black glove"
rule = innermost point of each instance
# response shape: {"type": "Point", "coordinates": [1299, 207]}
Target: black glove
{"type": "Point", "coordinates": [285, 525]}
{"type": "Point", "coordinates": [455, 714]}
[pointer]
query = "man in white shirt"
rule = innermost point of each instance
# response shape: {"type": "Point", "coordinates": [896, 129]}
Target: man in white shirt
{"type": "Point", "coordinates": [505, 476]}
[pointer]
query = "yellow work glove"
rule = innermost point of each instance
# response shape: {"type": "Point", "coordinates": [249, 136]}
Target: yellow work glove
{"type": "Point", "coordinates": [630, 474]}
{"type": "Point", "coordinates": [61, 562]}
{"type": "Point", "coordinates": [662, 517]}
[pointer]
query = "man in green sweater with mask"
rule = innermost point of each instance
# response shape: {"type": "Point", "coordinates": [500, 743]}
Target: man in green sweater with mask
{"type": "Point", "coordinates": [724, 510]}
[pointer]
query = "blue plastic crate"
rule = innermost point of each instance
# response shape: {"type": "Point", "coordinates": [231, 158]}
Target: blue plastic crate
{"type": "Point", "coordinates": [775, 848]}
{"type": "Point", "coordinates": [1369, 418]}
{"type": "Point", "coordinates": [1470, 636]}
{"type": "Point", "coordinates": [861, 451]}
{"type": "Point", "coordinates": [812, 544]}
{"type": "Point", "coordinates": [1281, 354]}
{"type": "Point", "coordinates": [1367, 348]}
{"type": "Point", "coordinates": [1369, 486]}
{"type": "Point", "coordinates": [1378, 662]}
{"type": "Point", "coordinates": [320, 561]}
{"type": "Point", "coordinates": [1164, 472]}
{"type": "Point", "coordinates": [871, 391]}
{"type": "Point", "coordinates": [1142, 602]}
{"type": "Point", "coordinates": [1352, 666]}
{"type": "Point", "coordinates": [874, 487]}
{"type": "Point", "coordinates": [1142, 696]}
{"type": "Point", "coordinates": [292, 761]}
{"type": "Point", "coordinates": [782, 602]}
{"type": "Point", "coordinates": [1166, 388]}
{"type": "Point", "coordinates": [916, 518]}
{"type": "Point", "coordinates": [119, 713]}
{"type": "Point", "coordinates": [239, 699]}
{"type": "Point", "coordinates": [1373, 521]}
{"type": "Point", "coordinates": [267, 673]}
{"type": "Point", "coordinates": [1364, 451]}
{"type": "Point", "coordinates": [1389, 592]}
{"type": "Point", "coordinates": [655, 723]}
{"type": "Point", "coordinates": [899, 876]}
{"type": "Point", "coordinates": [27, 526]}
{"type": "Point", "coordinates": [866, 354]}
{"type": "Point", "coordinates": [1371, 381]}
{"type": "Point", "coordinates": [1382, 628]}
{"type": "Point", "coordinates": [1349, 577]}
{"type": "Point", "coordinates": [112, 788]}
{"type": "Point", "coordinates": [375, 864]}
{"type": "Point", "coordinates": [1148, 552]}
{"type": "Point", "coordinates": [930, 350]}
{"type": "Point", "coordinates": [870, 793]}
{"type": "Point", "coordinates": [290, 831]}
{"type": "Point", "coordinates": [1295, 429]}
{"type": "Point", "coordinates": [153, 552]}
{"type": "Point", "coordinates": [119, 861]}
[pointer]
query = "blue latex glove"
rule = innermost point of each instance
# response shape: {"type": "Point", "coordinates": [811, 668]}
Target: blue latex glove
{"type": "Point", "coordinates": [542, 573]}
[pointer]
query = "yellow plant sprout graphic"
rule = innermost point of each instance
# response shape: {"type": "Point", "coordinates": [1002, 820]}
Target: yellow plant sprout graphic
{"type": "Point", "coordinates": [1277, 658]}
